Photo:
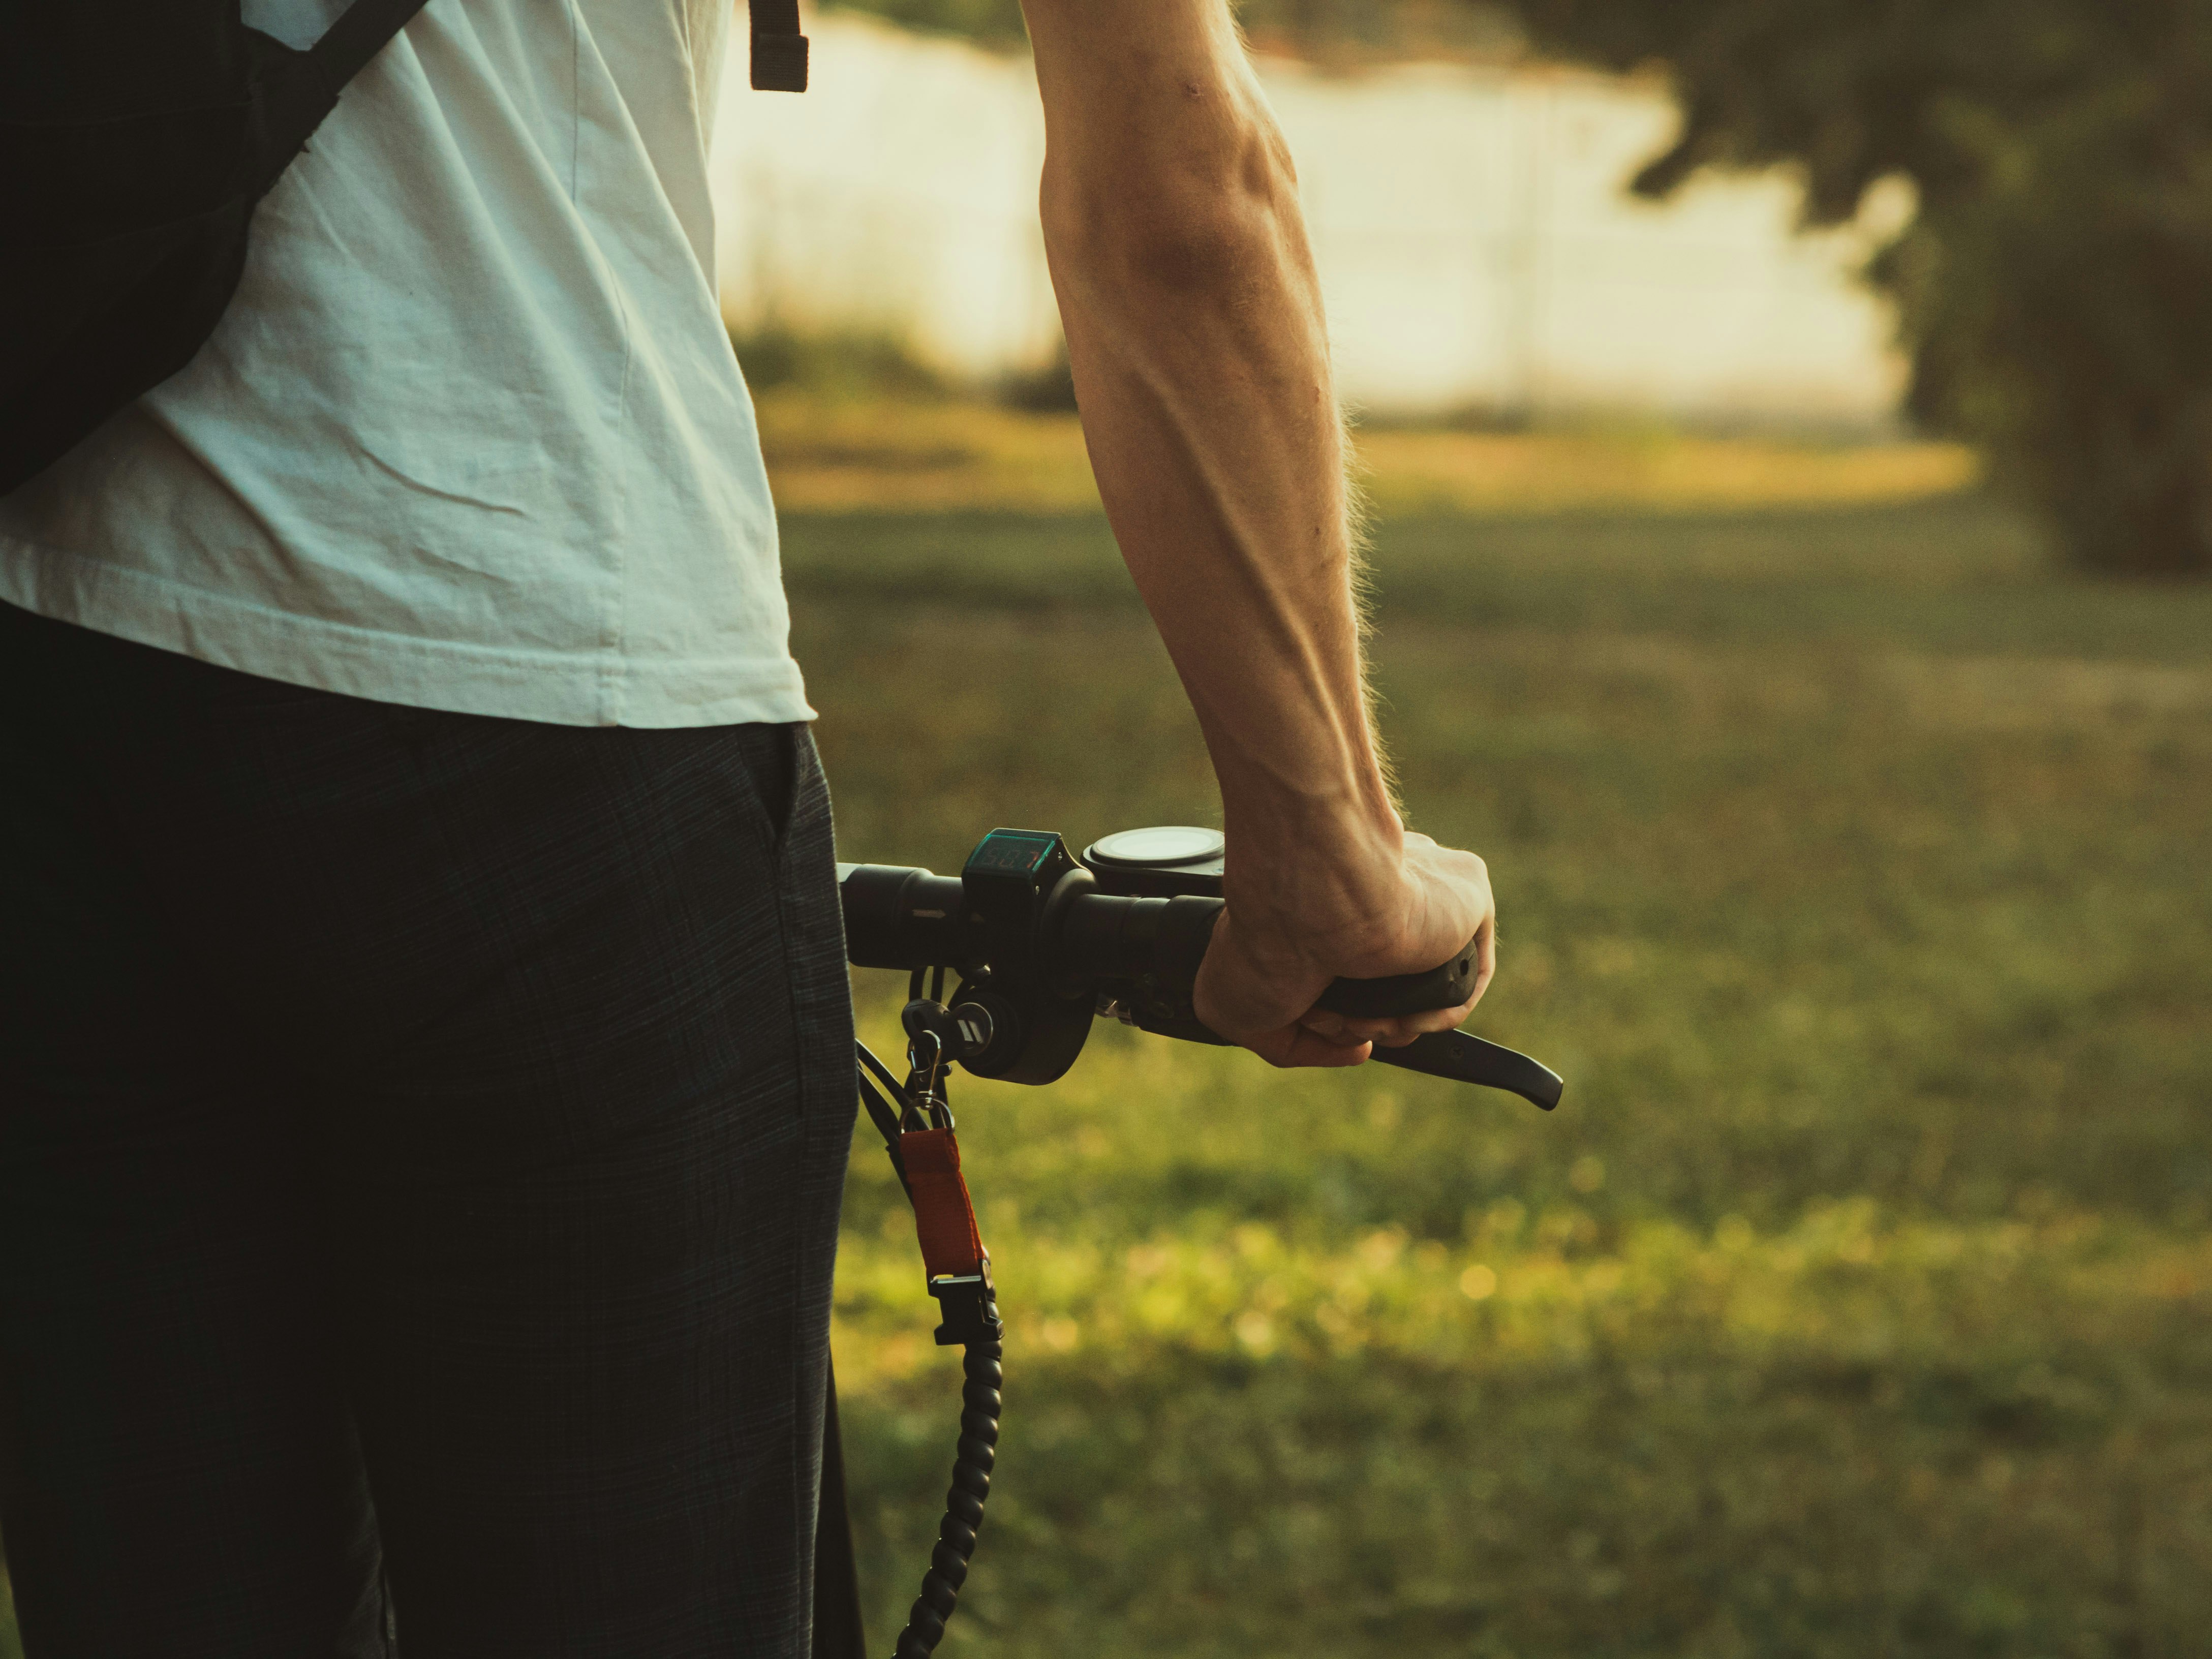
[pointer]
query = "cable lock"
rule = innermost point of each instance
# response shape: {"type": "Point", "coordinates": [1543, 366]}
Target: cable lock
{"type": "Point", "coordinates": [915, 1120]}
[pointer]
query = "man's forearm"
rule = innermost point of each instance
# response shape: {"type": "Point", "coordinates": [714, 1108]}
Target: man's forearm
{"type": "Point", "coordinates": [1195, 328]}
{"type": "Point", "coordinates": [1194, 325]}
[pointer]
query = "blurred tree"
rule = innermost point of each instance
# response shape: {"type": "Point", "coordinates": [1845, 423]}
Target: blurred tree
{"type": "Point", "coordinates": [2056, 287]}
{"type": "Point", "coordinates": [2053, 287]}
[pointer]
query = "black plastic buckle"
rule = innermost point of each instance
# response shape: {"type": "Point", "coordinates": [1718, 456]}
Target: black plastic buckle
{"type": "Point", "coordinates": [970, 1306]}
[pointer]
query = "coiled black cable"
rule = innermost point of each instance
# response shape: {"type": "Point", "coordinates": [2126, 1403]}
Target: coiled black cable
{"type": "Point", "coordinates": [963, 1505]}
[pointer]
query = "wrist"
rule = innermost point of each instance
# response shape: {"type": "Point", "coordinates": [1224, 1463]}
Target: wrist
{"type": "Point", "coordinates": [1304, 812]}
{"type": "Point", "coordinates": [1302, 866]}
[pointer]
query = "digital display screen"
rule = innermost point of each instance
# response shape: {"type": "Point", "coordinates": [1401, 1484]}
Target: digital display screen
{"type": "Point", "coordinates": [1013, 852]}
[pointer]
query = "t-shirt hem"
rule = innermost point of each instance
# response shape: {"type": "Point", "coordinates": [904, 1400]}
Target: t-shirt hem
{"type": "Point", "coordinates": [557, 687]}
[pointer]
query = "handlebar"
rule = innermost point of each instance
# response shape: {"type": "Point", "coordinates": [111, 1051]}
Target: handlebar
{"type": "Point", "coordinates": [1042, 945]}
{"type": "Point", "coordinates": [899, 917]}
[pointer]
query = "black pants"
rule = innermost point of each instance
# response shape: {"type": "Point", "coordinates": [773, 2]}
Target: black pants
{"type": "Point", "coordinates": [421, 1138]}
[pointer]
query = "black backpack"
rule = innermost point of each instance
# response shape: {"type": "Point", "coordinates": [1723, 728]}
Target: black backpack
{"type": "Point", "coordinates": [136, 137]}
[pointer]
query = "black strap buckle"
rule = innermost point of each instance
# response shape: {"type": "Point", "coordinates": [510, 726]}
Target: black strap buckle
{"type": "Point", "coordinates": [969, 1304]}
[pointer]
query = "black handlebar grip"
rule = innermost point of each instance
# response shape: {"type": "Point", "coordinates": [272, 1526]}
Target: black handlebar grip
{"type": "Point", "coordinates": [1444, 987]}
{"type": "Point", "coordinates": [898, 917]}
{"type": "Point", "coordinates": [1161, 941]}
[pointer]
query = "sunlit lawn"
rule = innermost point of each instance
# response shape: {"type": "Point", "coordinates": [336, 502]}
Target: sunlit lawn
{"type": "Point", "coordinates": [1857, 1301]}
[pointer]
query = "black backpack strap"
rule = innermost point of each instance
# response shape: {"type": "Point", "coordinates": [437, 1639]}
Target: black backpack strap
{"type": "Point", "coordinates": [779, 49]}
{"type": "Point", "coordinates": [366, 27]}
{"type": "Point", "coordinates": [299, 88]}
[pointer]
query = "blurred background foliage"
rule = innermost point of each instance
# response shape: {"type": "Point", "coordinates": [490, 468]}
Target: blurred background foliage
{"type": "Point", "coordinates": [2050, 289]}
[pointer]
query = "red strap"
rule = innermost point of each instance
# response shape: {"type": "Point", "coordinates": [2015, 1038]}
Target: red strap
{"type": "Point", "coordinates": [942, 1214]}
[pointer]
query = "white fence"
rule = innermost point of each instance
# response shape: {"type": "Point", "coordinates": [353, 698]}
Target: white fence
{"type": "Point", "coordinates": [1476, 242]}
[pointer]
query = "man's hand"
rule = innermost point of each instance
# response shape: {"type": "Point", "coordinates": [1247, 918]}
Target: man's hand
{"type": "Point", "coordinates": [1195, 330]}
{"type": "Point", "coordinates": [1358, 921]}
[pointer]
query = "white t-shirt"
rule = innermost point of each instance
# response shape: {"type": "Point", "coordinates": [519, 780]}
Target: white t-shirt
{"type": "Point", "coordinates": [470, 435]}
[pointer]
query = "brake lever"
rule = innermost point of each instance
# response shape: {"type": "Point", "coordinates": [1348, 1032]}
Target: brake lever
{"type": "Point", "coordinates": [1465, 1057]}
{"type": "Point", "coordinates": [1455, 1056]}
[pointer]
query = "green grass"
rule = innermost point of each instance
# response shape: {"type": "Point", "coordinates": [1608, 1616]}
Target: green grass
{"type": "Point", "coordinates": [1859, 1299]}
{"type": "Point", "coordinates": [1851, 869]}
